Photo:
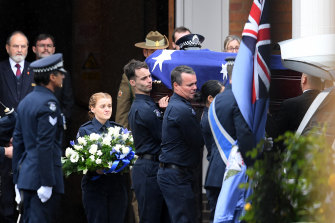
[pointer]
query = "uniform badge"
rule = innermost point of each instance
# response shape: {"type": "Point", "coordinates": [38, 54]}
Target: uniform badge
{"type": "Point", "coordinates": [193, 112]}
{"type": "Point", "coordinates": [52, 120]}
{"type": "Point", "coordinates": [120, 93]}
{"type": "Point", "coordinates": [158, 113]}
{"type": "Point", "coordinates": [52, 106]}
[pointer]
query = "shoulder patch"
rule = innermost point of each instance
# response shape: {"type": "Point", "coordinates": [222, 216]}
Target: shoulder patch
{"type": "Point", "coordinates": [120, 93]}
{"type": "Point", "coordinates": [52, 105]}
{"type": "Point", "coordinates": [52, 120]}
{"type": "Point", "coordinates": [158, 113]}
{"type": "Point", "coordinates": [193, 112]}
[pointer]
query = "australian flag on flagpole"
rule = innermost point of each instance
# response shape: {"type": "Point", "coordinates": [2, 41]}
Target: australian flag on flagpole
{"type": "Point", "coordinates": [251, 72]}
{"type": "Point", "coordinates": [250, 86]}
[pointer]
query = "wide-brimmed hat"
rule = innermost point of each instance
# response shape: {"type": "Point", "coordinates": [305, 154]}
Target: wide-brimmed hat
{"type": "Point", "coordinates": [154, 40]}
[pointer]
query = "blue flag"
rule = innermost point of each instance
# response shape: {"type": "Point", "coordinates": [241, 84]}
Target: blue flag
{"type": "Point", "coordinates": [250, 86]}
{"type": "Point", "coordinates": [251, 72]}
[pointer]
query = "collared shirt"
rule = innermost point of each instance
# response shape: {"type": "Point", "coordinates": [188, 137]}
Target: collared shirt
{"type": "Point", "coordinates": [145, 120]}
{"type": "Point", "coordinates": [94, 126]}
{"type": "Point", "coordinates": [181, 134]}
{"type": "Point", "coordinates": [13, 65]}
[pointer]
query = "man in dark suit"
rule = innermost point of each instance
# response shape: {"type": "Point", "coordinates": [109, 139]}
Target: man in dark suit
{"type": "Point", "coordinates": [37, 138]}
{"type": "Point", "coordinates": [15, 79]}
{"type": "Point", "coordinates": [15, 84]}
{"type": "Point", "coordinates": [293, 110]}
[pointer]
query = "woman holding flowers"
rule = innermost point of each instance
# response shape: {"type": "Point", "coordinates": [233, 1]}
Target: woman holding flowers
{"type": "Point", "coordinates": [104, 194]}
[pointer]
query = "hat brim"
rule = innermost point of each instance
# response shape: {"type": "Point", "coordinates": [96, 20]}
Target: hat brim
{"type": "Point", "coordinates": [62, 70]}
{"type": "Point", "coordinates": [144, 46]}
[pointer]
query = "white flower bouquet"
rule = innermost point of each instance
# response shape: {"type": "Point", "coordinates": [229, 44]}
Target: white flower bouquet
{"type": "Point", "coordinates": [110, 152]}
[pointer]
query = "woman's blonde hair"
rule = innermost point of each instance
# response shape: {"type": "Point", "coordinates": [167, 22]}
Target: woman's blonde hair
{"type": "Point", "coordinates": [228, 40]}
{"type": "Point", "coordinates": [93, 101]}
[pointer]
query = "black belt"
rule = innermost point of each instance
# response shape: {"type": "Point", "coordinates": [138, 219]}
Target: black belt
{"type": "Point", "coordinates": [148, 157]}
{"type": "Point", "coordinates": [173, 166]}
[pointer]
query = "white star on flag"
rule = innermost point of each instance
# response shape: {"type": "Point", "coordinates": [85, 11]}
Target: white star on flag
{"type": "Point", "coordinates": [165, 55]}
{"type": "Point", "coordinates": [224, 72]}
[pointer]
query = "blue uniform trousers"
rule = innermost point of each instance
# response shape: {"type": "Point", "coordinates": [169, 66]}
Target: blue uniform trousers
{"type": "Point", "coordinates": [34, 211]}
{"type": "Point", "coordinates": [148, 194]}
{"type": "Point", "coordinates": [176, 186]}
{"type": "Point", "coordinates": [105, 200]}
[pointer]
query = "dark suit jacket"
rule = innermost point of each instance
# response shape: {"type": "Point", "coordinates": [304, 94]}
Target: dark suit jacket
{"type": "Point", "coordinates": [13, 90]}
{"type": "Point", "coordinates": [65, 96]}
{"type": "Point", "coordinates": [293, 110]}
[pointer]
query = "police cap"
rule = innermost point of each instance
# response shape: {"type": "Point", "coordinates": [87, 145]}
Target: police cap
{"type": "Point", "coordinates": [190, 41]}
{"type": "Point", "coordinates": [50, 63]}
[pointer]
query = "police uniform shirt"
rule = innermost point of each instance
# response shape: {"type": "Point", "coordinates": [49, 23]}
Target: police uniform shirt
{"type": "Point", "coordinates": [37, 142]}
{"type": "Point", "coordinates": [94, 126]}
{"type": "Point", "coordinates": [181, 134]}
{"type": "Point", "coordinates": [145, 120]}
{"type": "Point", "coordinates": [105, 181]}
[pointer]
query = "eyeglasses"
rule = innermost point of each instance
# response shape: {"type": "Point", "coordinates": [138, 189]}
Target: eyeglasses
{"type": "Point", "coordinates": [231, 49]}
{"type": "Point", "coordinates": [45, 45]}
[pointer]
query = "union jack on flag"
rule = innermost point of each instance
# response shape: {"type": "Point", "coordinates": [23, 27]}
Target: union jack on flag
{"type": "Point", "coordinates": [250, 86]}
{"type": "Point", "coordinates": [251, 72]}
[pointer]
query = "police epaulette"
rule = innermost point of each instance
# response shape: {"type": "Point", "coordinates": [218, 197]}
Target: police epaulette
{"type": "Point", "coordinates": [114, 123]}
{"type": "Point", "coordinates": [86, 123]}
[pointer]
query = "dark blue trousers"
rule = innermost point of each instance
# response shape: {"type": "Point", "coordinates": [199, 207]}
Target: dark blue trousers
{"type": "Point", "coordinates": [176, 187]}
{"type": "Point", "coordinates": [34, 211]}
{"type": "Point", "coordinates": [149, 196]}
{"type": "Point", "coordinates": [212, 195]}
{"type": "Point", "coordinates": [105, 200]}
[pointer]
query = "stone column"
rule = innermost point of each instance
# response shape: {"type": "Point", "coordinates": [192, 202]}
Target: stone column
{"type": "Point", "coordinates": [312, 17]}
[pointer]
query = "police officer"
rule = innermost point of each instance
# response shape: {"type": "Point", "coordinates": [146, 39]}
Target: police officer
{"type": "Point", "coordinates": [37, 144]}
{"type": "Point", "coordinates": [145, 120]}
{"type": "Point", "coordinates": [181, 144]}
{"type": "Point", "coordinates": [104, 197]}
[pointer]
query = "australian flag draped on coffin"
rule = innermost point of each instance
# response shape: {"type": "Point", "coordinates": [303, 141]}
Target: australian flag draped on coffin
{"type": "Point", "coordinates": [207, 64]}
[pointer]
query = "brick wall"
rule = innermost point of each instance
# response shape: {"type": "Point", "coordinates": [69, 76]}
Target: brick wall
{"type": "Point", "coordinates": [280, 16]}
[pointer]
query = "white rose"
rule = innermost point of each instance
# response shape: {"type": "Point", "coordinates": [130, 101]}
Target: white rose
{"type": "Point", "coordinates": [77, 147]}
{"type": "Point", "coordinates": [117, 147]}
{"type": "Point", "coordinates": [93, 149]}
{"type": "Point", "coordinates": [74, 157]}
{"type": "Point", "coordinates": [99, 153]}
{"type": "Point", "coordinates": [98, 161]}
{"type": "Point", "coordinates": [92, 158]}
{"type": "Point", "coordinates": [125, 149]}
{"type": "Point", "coordinates": [85, 171]}
{"type": "Point", "coordinates": [82, 141]}
{"type": "Point", "coordinates": [114, 131]}
{"type": "Point", "coordinates": [94, 136]}
{"type": "Point", "coordinates": [125, 136]}
{"type": "Point", "coordinates": [68, 152]}
{"type": "Point", "coordinates": [107, 141]}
